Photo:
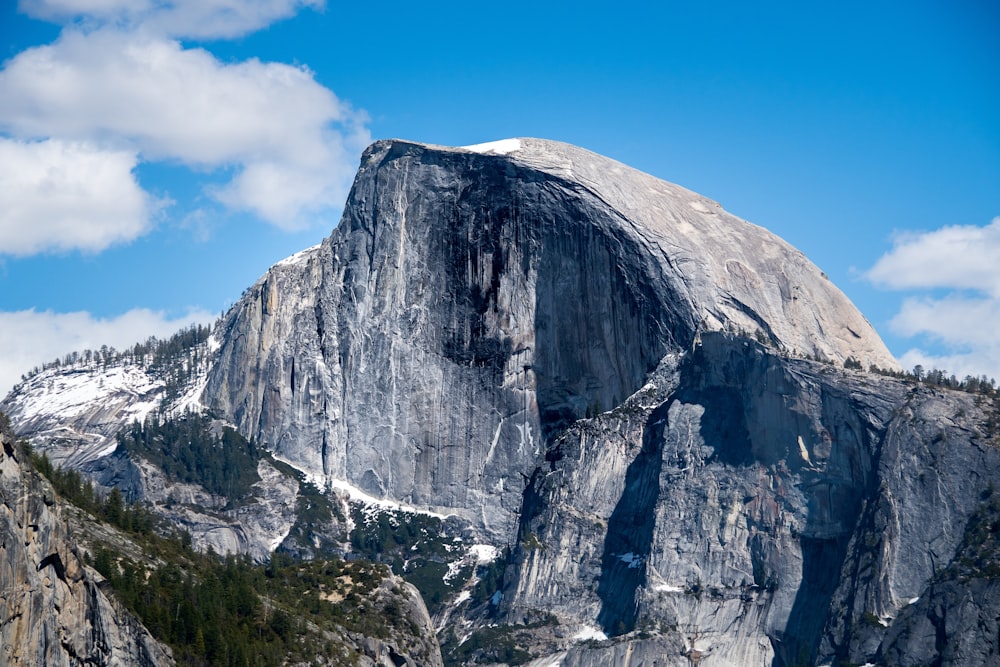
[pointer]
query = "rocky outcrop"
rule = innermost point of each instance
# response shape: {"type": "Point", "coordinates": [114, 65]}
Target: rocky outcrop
{"type": "Point", "coordinates": [754, 509]}
{"type": "Point", "coordinates": [418, 647]}
{"type": "Point", "coordinates": [254, 525]}
{"type": "Point", "coordinates": [53, 609]}
{"type": "Point", "coordinates": [473, 303]}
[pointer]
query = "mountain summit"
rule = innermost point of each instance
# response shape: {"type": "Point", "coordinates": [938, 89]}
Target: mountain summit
{"type": "Point", "coordinates": [593, 417]}
{"type": "Point", "coordinates": [474, 301]}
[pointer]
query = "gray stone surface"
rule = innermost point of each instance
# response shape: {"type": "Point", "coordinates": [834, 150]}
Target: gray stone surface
{"type": "Point", "coordinates": [763, 510]}
{"type": "Point", "coordinates": [53, 609]}
{"type": "Point", "coordinates": [470, 305]}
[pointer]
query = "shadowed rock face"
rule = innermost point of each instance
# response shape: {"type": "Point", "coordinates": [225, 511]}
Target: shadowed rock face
{"type": "Point", "coordinates": [470, 306]}
{"type": "Point", "coordinates": [762, 510]}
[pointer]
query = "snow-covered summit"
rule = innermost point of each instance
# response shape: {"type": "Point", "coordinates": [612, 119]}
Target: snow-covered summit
{"type": "Point", "coordinates": [73, 411]}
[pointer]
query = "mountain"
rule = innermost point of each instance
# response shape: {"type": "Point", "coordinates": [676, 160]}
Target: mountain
{"type": "Point", "coordinates": [471, 305]}
{"type": "Point", "coordinates": [593, 417]}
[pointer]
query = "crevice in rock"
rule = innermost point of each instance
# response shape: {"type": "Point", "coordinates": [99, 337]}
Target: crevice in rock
{"type": "Point", "coordinates": [55, 561]}
{"type": "Point", "coordinates": [753, 315]}
{"type": "Point", "coordinates": [629, 538]}
{"type": "Point", "coordinates": [822, 560]}
{"type": "Point", "coordinates": [532, 504]}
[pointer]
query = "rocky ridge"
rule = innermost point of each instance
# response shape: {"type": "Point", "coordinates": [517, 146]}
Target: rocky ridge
{"type": "Point", "coordinates": [53, 608]}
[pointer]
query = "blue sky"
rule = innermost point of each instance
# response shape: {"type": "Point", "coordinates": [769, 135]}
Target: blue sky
{"type": "Point", "coordinates": [156, 157]}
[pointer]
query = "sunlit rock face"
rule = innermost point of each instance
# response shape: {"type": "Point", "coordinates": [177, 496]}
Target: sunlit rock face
{"type": "Point", "coordinates": [54, 608]}
{"type": "Point", "coordinates": [473, 303]}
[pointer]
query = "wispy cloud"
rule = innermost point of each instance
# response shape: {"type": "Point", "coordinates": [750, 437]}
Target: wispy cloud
{"type": "Point", "coordinates": [124, 87]}
{"type": "Point", "coordinates": [962, 261]}
{"type": "Point", "coordinates": [955, 257]}
{"type": "Point", "coordinates": [30, 338]}
{"type": "Point", "coordinates": [175, 18]}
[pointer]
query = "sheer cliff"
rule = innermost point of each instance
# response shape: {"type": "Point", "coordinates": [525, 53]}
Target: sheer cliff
{"type": "Point", "coordinates": [472, 303]}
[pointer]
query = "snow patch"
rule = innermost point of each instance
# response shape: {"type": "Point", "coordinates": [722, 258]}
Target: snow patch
{"type": "Point", "coordinates": [298, 258]}
{"type": "Point", "coordinates": [668, 588]}
{"type": "Point", "coordinates": [913, 600]}
{"type": "Point", "coordinates": [462, 597]}
{"type": "Point", "coordinates": [476, 554]}
{"type": "Point", "coordinates": [588, 633]}
{"type": "Point", "coordinates": [803, 452]}
{"type": "Point", "coordinates": [484, 553]}
{"type": "Point", "coordinates": [67, 394]}
{"type": "Point", "coordinates": [502, 147]}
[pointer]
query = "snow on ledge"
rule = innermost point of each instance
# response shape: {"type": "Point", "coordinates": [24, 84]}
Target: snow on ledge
{"type": "Point", "coordinates": [299, 257]}
{"type": "Point", "coordinates": [589, 632]}
{"type": "Point", "coordinates": [502, 147]}
{"type": "Point", "coordinates": [356, 494]}
{"type": "Point", "coordinates": [668, 588]}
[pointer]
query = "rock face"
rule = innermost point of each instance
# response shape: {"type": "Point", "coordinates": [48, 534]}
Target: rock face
{"type": "Point", "coordinates": [53, 610]}
{"type": "Point", "coordinates": [639, 398]}
{"type": "Point", "coordinates": [472, 304]}
{"type": "Point", "coordinates": [765, 510]}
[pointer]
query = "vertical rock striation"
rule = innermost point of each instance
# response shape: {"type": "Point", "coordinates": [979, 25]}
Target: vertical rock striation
{"type": "Point", "coordinates": [475, 302]}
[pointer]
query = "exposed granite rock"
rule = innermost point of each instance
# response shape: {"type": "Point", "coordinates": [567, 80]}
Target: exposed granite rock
{"type": "Point", "coordinates": [419, 648]}
{"type": "Point", "coordinates": [753, 509]}
{"type": "Point", "coordinates": [470, 306]}
{"type": "Point", "coordinates": [53, 610]}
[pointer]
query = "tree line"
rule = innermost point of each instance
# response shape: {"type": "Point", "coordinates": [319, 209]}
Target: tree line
{"type": "Point", "coordinates": [152, 354]}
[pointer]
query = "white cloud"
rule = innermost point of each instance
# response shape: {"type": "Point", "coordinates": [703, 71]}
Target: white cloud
{"type": "Point", "coordinates": [955, 257]}
{"type": "Point", "coordinates": [169, 102]}
{"type": "Point", "coordinates": [288, 196]}
{"type": "Point", "coordinates": [31, 338]}
{"type": "Point", "coordinates": [961, 320]}
{"type": "Point", "coordinates": [174, 18]}
{"type": "Point", "coordinates": [958, 330]}
{"type": "Point", "coordinates": [57, 195]}
{"type": "Point", "coordinates": [966, 326]}
{"type": "Point", "coordinates": [294, 145]}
